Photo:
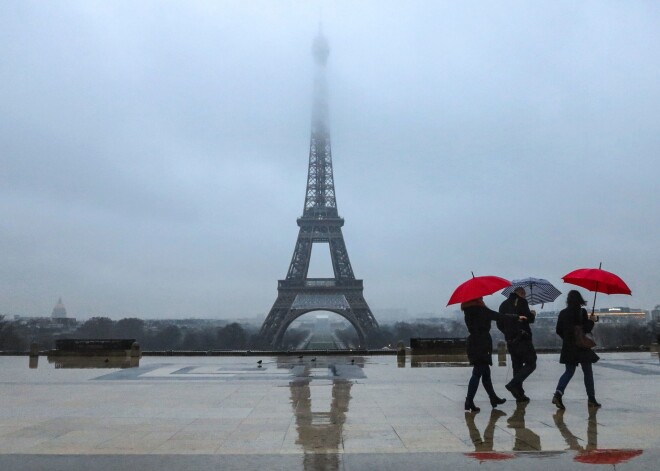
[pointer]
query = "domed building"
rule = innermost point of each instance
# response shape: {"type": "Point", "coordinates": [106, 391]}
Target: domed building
{"type": "Point", "coordinates": [60, 320]}
{"type": "Point", "coordinates": [59, 311]}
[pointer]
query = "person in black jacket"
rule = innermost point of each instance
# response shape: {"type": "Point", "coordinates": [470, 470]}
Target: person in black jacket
{"type": "Point", "coordinates": [571, 354]}
{"type": "Point", "coordinates": [480, 350]}
{"type": "Point", "coordinates": [518, 337]}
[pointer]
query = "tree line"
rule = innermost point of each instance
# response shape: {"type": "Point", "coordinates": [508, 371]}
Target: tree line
{"type": "Point", "coordinates": [161, 335]}
{"type": "Point", "coordinates": [165, 335]}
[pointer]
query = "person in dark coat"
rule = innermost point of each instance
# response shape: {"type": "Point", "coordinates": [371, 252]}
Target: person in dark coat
{"type": "Point", "coordinates": [480, 350]}
{"type": "Point", "coordinates": [518, 337]}
{"type": "Point", "coordinates": [571, 354]}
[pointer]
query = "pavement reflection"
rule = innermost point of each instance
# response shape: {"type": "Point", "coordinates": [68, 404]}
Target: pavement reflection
{"type": "Point", "coordinates": [438, 361]}
{"type": "Point", "coordinates": [590, 453]}
{"type": "Point", "coordinates": [525, 440]}
{"type": "Point", "coordinates": [86, 361]}
{"type": "Point", "coordinates": [75, 361]}
{"type": "Point", "coordinates": [320, 432]}
{"type": "Point", "coordinates": [485, 443]}
{"type": "Point", "coordinates": [572, 441]}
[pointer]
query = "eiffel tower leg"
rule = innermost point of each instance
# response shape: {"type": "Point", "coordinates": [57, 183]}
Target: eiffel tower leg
{"type": "Point", "coordinates": [365, 319]}
{"type": "Point", "coordinates": [278, 339]}
{"type": "Point", "coordinates": [275, 320]}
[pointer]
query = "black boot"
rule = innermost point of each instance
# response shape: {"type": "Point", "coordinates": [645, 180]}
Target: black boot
{"type": "Point", "coordinates": [496, 401]}
{"type": "Point", "coordinates": [514, 390]}
{"type": "Point", "coordinates": [470, 407]}
{"type": "Point", "coordinates": [592, 402]}
{"type": "Point", "coordinates": [523, 399]}
{"type": "Point", "coordinates": [556, 400]}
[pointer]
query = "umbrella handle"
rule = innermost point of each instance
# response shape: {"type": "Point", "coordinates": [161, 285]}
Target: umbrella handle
{"type": "Point", "coordinates": [593, 308]}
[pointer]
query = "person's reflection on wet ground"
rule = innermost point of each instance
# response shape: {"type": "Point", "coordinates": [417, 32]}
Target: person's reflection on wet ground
{"type": "Point", "coordinates": [525, 440]}
{"type": "Point", "coordinates": [320, 433]}
{"type": "Point", "coordinates": [590, 453]}
{"type": "Point", "coordinates": [485, 444]}
{"type": "Point", "coordinates": [572, 441]}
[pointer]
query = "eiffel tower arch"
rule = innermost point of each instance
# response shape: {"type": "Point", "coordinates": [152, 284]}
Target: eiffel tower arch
{"type": "Point", "coordinates": [320, 223]}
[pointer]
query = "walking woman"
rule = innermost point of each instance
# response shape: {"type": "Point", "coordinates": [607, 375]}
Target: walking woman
{"type": "Point", "coordinates": [480, 350]}
{"type": "Point", "coordinates": [571, 354]}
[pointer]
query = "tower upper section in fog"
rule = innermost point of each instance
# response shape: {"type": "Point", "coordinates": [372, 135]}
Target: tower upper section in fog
{"type": "Point", "coordinates": [321, 50]}
{"type": "Point", "coordinates": [320, 200]}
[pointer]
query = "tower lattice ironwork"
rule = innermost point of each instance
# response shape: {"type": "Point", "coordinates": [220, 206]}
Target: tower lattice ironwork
{"type": "Point", "coordinates": [320, 223]}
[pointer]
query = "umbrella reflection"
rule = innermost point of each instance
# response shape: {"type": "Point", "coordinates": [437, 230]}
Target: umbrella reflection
{"type": "Point", "coordinates": [590, 453]}
{"type": "Point", "coordinates": [320, 433]}
{"type": "Point", "coordinates": [525, 440]}
{"type": "Point", "coordinates": [612, 456]}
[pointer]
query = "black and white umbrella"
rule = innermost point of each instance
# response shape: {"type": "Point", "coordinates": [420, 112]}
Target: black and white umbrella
{"type": "Point", "coordinates": [539, 291]}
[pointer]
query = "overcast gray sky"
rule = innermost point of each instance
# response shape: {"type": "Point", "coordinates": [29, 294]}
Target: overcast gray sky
{"type": "Point", "coordinates": [153, 155]}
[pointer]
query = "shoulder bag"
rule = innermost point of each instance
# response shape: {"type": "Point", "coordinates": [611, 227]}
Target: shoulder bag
{"type": "Point", "coordinates": [583, 340]}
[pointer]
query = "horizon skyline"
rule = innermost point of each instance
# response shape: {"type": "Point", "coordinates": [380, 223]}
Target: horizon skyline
{"type": "Point", "coordinates": [259, 317]}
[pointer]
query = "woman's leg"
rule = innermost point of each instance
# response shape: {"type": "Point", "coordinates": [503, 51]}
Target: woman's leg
{"type": "Point", "coordinates": [477, 371]}
{"type": "Point", "coordinates": [565, 378]}
{"type": "Point", "coordinates": [487, 382]}
{"type": "Point", "coordinates": [589, 380]}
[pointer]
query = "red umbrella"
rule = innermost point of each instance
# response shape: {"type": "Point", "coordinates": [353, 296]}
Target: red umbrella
{"type": "Point", "coordinates": [490, 456]}
{"type": "Point", "coordinates": [597, 280]}
{"type": "Point", "coordinates": [611, 456]}
{"type": "Point", "coordinates": [477, 287]}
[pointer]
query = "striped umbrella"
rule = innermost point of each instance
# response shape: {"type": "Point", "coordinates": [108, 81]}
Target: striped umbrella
{"type": "Point", "coordinates": [539, 291]}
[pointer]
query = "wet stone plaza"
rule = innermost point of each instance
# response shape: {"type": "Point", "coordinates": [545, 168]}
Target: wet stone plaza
{"type": "Point", "coordinates": [325, 413]}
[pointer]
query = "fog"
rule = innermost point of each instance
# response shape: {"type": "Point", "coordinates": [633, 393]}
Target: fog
{"type": "Point", "coordinates": [153, 155]}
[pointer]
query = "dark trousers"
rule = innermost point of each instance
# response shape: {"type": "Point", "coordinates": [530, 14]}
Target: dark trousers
{"type": "Point", "coordinates": [523, 361]}
{"type": "Point", "coordinates": [588, 378]}
{"type": "Point", "coordinates": [480, 372]}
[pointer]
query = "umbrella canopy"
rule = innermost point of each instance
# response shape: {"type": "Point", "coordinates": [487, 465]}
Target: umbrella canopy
{"type": "Point", "coordinates": [539, 291]}
{"type": "Point", "coordinates": [477, 287]}
{"type": "Point", "coordinates": [598, 280]}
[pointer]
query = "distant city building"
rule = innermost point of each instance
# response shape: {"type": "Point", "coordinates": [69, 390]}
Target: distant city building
{"type": "Point", "coordinates": [546, 319]}
{"type": "Point", "coordinates": [608, 315]}
{"type": "Point", "coordinates": [621, 314]}
{"type": "Point", "coordinates": [59, 311]}
{"type": "Point", "coordinates": [60, 321]}
{"type": "Point", "coordinates": [655, 314]}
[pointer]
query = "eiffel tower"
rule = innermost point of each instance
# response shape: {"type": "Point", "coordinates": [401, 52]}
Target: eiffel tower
{"type": "Point", "coordinates": [320, 223]}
